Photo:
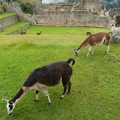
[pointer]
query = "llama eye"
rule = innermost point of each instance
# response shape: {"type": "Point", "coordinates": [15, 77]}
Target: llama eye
{"type": "Point", "coordinates": [10, 106]}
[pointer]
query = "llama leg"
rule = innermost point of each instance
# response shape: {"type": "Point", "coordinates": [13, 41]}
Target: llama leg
{"type": "Point", "coordinates": [89, 50]}
{"type": "Point", "coordinates": [107, 49]}
{"type": "Point", "coordinates": [69, 87]}
{"type": "Point", "coordinates": [76, 53]}
{"type": "Point", "coordinates": [65, 88]}
{"type": "Point", "coordinates": [65, 81]}
{"type": "Point", "coordinates": [37, 95]}
{"type": "Point", "coordinates": [92, 50]}
{"type": "Point", "coordinates": [45, 91]}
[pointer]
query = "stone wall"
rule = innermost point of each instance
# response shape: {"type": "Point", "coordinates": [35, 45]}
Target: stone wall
{"type": "Point", "coordinates": [24, 28]}
{"type": "Point", "coordinates": [65, 14]}
{"type": "Point", "coordinates": [92, 5]}
{"type": "Point", "coordinates": [69, 14]}
{"type": "Point", "coordinates": [116, 35]}
{"type": "Point", "coordinates": [8, 21]}
{"type": "Point", "coordinates": [71, 18]}
{"type": "Point", "coordinates": [14, 7]}
{"type": "Point", "coordinates": [114, 12]}
{"type": "Point", "coordinates": [1, 9]}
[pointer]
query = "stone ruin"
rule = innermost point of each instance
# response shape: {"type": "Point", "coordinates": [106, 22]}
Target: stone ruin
{"type": "Point", "coordinates": [116, 34]}
{"type": "Point", "coordinates": [83, 13]}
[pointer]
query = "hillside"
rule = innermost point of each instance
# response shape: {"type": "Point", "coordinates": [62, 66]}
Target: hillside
{"type": "Point", "coordinates": [111, 3]}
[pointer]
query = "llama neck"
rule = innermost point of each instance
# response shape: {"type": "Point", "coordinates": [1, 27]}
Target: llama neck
{"type": "Point", "coordinates": [18, 96]}
{"type": "Point", "coordinates": [81, 46]}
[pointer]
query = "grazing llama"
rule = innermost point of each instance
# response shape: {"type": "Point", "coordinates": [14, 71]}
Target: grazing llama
{"type": "Point", "coordinates": [48, 75]}
{"type": "Point", "coordinates": [93, 40]}
{"type": "Point", "coordinates": [88, 33]}
{"type": "Point", "coordinates": [39, 33]}
{"type": "Point", "coordinates": [23, 33]}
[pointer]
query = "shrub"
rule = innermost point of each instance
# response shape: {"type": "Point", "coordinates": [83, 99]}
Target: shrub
{"type": "Point", "coordinates": [26, 7]}
{"type": "Point", "coordinates": [118, 20]}
{"type": "Point", "coordinates": [94, 13]}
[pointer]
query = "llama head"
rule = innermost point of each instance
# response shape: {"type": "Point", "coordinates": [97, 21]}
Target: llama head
{"type": "Point", "coordinates": [76, 54]}
{"type": "Point", "coordinates": [10, 106]}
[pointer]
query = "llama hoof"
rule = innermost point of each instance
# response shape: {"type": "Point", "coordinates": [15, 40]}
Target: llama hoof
{"type": "Point", "coordinates": [105, 53]}
{"type": "Point", "coordinates": [35, 100]}
{"type": "Point", "coordinates": [62, 97]}
{"type": "Point", "coordinates": [49, 103]}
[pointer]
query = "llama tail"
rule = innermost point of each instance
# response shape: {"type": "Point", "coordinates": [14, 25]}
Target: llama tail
{"type": "Point", "coordinates": [71, 59]}
{"type": "Point", "coordinates": [110, 33]}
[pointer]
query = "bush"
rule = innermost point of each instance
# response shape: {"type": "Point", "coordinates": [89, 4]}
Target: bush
{"type": "Point", "coordinates": [11, 0]}
{"type": "Point", "coordinates": [118, 20]}
{"type": "Point", "coordinates": [26, 7]}
{"type": "Point", "coordinates": [94, 13]}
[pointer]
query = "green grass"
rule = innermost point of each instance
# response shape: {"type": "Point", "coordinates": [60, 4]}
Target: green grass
{"type": "Point", "coordinates": [6, 14]}
{"type": "Point", "coordinates": [95, 81]}
{"type": "Point", "coordinates": [1, 5]}
{"type": "Point", "coordinates": [12, 28]}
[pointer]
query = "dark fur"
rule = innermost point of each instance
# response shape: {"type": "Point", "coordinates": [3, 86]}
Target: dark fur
{"type": "Point", "coordinates": [50, 74]}
{"type": "Point", "coordinates": [23, 33]}
{"type": "Point", "coordinates": [88, 33]}
{"type": "Point", "coordinates": [17, 96]}
{"type": "Point", "coordinates": [39, 33]}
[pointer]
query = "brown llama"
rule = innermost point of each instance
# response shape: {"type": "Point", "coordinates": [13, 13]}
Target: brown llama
{"type": "Point", "coordinates": [93, 40]}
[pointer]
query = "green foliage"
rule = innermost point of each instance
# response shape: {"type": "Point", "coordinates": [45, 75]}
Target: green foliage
{"type": "Point", "coordinates": [111, 3]}
{"type": "Point", "coordinates": [118, 20]}
{"type": "Point", "coordinates": [8, 0]}
{"type": "Point", "coordinates": [6, 14]}
{"type": "Point", "coordinates": [95, 80]}
{"type": "Point", "coordinates": [12, 0]}
{"type": "Point", "coordinates": [94, 13]}
{"type": "Point", "coordinates": [26, 7]}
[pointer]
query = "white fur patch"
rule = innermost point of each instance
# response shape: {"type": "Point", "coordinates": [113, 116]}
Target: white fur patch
{"type": "Point", "coordinates": [104, 39]}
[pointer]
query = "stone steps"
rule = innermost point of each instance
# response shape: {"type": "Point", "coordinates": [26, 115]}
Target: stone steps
{"type": "Point", "coordinates": [10, 24]}
{"type": "Point", "coordinates": [2, 9]}
{"type": "Point", "coordinates": [16, 28]}
{"type": "Point", "coordinates": [7, 19]}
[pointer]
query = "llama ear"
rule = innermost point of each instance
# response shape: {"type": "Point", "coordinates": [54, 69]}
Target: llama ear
{"type": "Point", "coordinates": [5, 100]}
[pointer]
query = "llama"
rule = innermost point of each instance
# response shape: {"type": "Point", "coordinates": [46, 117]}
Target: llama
{"type": "Point", "coordinates": [39, 33]}
{"type": "Point", "coordinates": [88, 33]}
{"type": "Point", "coordinates": [23, 33]}
{"type": "Point", "coordinates": [48, 75]}
{"type": "Point", "coordinates": [96, 39]}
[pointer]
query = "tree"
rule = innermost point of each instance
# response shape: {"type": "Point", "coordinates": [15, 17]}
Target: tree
{"type": "Point", "coordinates": [118, 20]}
{"type": "Point", "coordinates": [112, 3]}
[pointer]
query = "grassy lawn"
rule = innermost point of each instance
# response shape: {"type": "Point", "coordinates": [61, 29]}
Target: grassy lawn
{"type": "Point", "coordinates": [1, 5]}
{"type": "Point", "coordinates": [12, 28]}
{"type": "Point", "coordinates": [6, 14]}
{"type": "Point", "coordinates": [95, 81]}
